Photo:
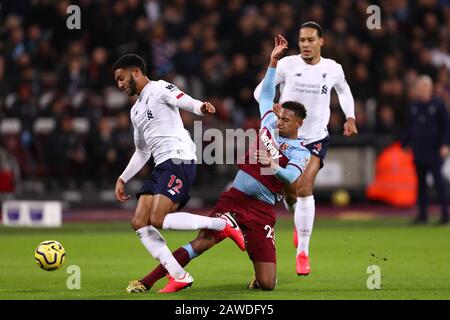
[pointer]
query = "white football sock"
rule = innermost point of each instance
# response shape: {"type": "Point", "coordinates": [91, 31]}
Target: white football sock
{"type": "Point", "coordinates": [155, 244]}
{"type": "Point", "coordinates": [189, 221]}
{"type": "Point", "coordinates": [304, 220]}
{"type": "Point", "coordinates": [289, 207]}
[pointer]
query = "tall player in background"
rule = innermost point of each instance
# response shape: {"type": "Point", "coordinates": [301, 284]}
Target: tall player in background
{"type": "Point", "coordinates": [308, 79]}
{"type": "Point", "coordinates": [253, 194]}
{"type": "Point", "coordinates": [159, 132]}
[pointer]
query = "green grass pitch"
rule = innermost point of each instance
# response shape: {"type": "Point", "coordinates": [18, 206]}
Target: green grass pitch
{"type": "Point", "coordinates": [414, 263]}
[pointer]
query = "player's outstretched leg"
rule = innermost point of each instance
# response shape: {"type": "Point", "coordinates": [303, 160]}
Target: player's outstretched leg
{"type": "Point", "coordinates": [183, 255]}
{"type": "Point", "coordinates": [304, 215]}
{"type": "Point", "coordinates": [290, 203]}
{"type": "Point", "coordinates": [304, 221]}
{"type": "Point", "coordinates": [224, 223]}
{"type": "Point", "coordinates": [152, 239]}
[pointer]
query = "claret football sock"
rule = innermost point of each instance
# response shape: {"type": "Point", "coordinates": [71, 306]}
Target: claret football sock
{"type": "Point", "coordinates": [304, 221]}
{"type": "Point", "coordinates": [183, 255]}
{"type": "Point", "coordinates": [189, 221]}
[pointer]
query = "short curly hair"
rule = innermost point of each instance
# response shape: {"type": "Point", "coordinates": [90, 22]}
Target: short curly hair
{"type": "Point", "coordinates": [298, 108]}
{"type": "Point", "coordinates": [130, 60]}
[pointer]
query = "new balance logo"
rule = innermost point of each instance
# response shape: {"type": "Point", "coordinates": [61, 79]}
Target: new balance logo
{"type": "Point", "coordinates": [298, 74]}
{"type": "Point", "coordinates": [171, 87]}
{"type": "Point", "coordinates": [324, 75]}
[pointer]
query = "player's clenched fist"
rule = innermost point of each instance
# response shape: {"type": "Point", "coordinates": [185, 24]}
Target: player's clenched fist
{"type": "Point", "coordinates": [120, 191]}
{"type": "Point", "coordinates": [277, 109]}
{"type": "Point", "coordinates": [350, 128]}
{"type": "Point", "coordinates": [263, 157]}
{"type": "Point", "coordinates": [207, 108]}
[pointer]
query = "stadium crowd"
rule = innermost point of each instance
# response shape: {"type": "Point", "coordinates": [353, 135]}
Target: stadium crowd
{"type": "Point", "coordinates": [62, 118]}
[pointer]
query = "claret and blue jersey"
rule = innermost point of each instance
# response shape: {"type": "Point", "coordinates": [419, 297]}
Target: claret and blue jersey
{"type": "Point", "coordinates": [292, 157]}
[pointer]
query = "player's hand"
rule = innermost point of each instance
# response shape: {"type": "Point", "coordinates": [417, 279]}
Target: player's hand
{"type": "Point", "coordinates": [207, 108]}
{"type": "Point", "coordinates": [280, 48]}
{"type": "Point", "coordinates": [263, 157]}
{"type": "Point", "coordinates": [350, 128]}
{"type": "Point", "coordinates": [277, 109]}
{"type": "Point", "coordinates": [120, 191]}
{"type": "Point", "coordinates": [444, 151]}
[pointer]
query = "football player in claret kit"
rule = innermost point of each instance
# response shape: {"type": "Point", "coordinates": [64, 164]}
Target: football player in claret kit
{"type": "Point", "coordinates": [275, 159]}
{"type": "Point", "coordinates": [159, 132]}
{"type": "Point", "coordinates": [308, 79]}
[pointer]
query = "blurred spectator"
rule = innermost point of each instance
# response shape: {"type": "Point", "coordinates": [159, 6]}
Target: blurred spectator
{"type": "Point", "coordinates": [123, 140]}
{"type": "Point", "coordinates": [240, 85]}
{"type": "Point", "coordinates": [73, 77]}
{"type": "Point", "coordinates": [9, 171]}
{"type": "Point", "coordinates": [102, 149]}
{"type": "Point", "coordinates": [99, 73]}
{"type": "Point", "coordinates": [428, 135]}
{"type": "Point", "coordinates": [216, 48]}
{"type": "Point", "coordinates": [66, 155]}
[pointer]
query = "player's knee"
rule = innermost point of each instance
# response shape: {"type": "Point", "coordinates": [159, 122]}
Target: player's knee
{"type": "Point", "coordinates": [305, 191]}
{"type": "Point", "coordinates": [291, 197]}
{"type": "Point", "coordinates": [138, 223]}
{"type": "Point", "coordinates": [266, 283]}
{"type": "Point", "coordinates": [157, 220]}
{"type": "Point", "coordinates": [157, 217]}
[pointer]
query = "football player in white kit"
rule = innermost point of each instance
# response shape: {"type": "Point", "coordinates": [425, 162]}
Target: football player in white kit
{"type": "Point", "coordinates": [159, 132]}
{"type": "Point", "coordinates": [308, 78]}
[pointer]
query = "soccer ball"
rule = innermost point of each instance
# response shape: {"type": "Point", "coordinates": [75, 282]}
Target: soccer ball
{"type": "Point", "coordinates": [50, 255]}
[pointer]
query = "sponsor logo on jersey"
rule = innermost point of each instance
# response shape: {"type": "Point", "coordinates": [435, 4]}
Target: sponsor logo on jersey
{"type": "Point", "coordinates": [171, 87]}
{"type": "Point", "coordinates": [324, 89]}
{"type": "Point", "coordinates": [268, 143]}
{"type": "Point", "coordinates": [149, 115]}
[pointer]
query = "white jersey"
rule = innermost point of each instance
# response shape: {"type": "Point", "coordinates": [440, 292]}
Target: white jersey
{"type": "Point", "coordinates": [158, 128]}
{"type": "Point", "coordinates": [311, 86]}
